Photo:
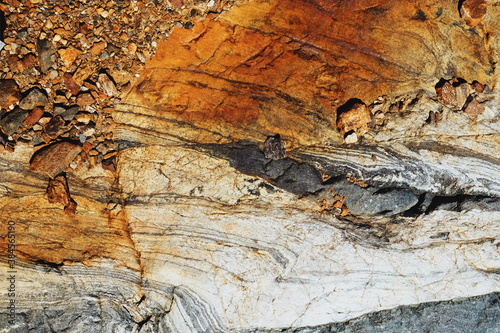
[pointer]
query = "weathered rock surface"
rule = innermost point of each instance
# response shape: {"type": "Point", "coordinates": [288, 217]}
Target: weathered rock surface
{"type": "Point", "coordinates": [200, 223]}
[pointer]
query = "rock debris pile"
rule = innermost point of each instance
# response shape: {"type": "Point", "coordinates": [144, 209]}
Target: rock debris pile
{"type": "Point", "coordinates": [64, 64]}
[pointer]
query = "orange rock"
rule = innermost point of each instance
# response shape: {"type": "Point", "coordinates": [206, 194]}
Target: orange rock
{"type": "Point", "coordinates": [55, 158]}
{"type": "Point", "coordinates": [84, 99]}
{"type": "Point", "coordinates": [34, 116]}
{"type": "Point", "coordinates": [28, 61]}
{"type": "Point", "coordinates": [83, 72]}
{"type": "Point", "coordinates": [98, 48]}
{"type": "Point", "coordinates": [266, 66]}
{"type": "Point", "coordinates": [354, 117]}
{"type": "Point", "coordinates": [58, 191]}
{"type": "Point", "coordinates": [87, 147]}
{"type": "Point", "coordinates": [69, 55]}
{"type": "Point", "coordinates": [473, 11]}
{"type": "Point", "coordinates": [70, 209]}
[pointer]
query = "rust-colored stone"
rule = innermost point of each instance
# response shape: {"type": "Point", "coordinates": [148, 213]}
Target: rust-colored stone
{"type": "Point", "coordinates": [473, 11]}
{"type": "Point", "coordinates": [70, 83]}
{"type": "Point", "coordinates": [266, 67]}
{"type": "Point", "coordinates": [58, 191]}
{"type": "Point", "coordinates": [69, 55]}
{"type": "Point", "coordinates": [474, 107]}
{"type": "Point", "coordinates": [447, 94]}
{"type": "Point", "coordinates": [55, 158]}
{"type": "Point", "coordinates": [9, 93]}
{"type": "Point", "coordinates": [54, 127]}
{"type": "Point", "coordinates": [34, 116]}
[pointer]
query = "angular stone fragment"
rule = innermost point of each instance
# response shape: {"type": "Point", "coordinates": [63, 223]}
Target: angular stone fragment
{"type": "Point", "coordinates": [45, 49]}
{"type": "Point", "coordinates": [70, 83]}
{"type": "Point", "coordinates": [107, 85]}
{"type": "Point", "coordinates": [98, 48]}
{"type": "Point", "coordinates": [274, 148]}
{"type": "Point", "coordinates": [55, 127]}
{"type": "Point", "coordinates": [58, 192]}
{"type": "Point", "coordinates": [69, 55]}
{"type": "Point", "coordinates": [462, 93]}
{"type": "Point", "coordinates": [474, 107]}
{"type": "Point", "coordinates": [447, 93]}
{"type": "Point", "coordinates": [34, 116]}
{"type": "Point", "coordinates": [83, 72]}
{"type": "Point", "coordinates": [9, 93]}
{"type": "Point", "coordinates": [473, 11]}
{"type": "Point", "coordinates": [28, 61]}
{"type": "Point", "coordinates": [55, 158]}
{"type": "Point", "coordinates": [35, 97]}
{"type": "Point", "coordinates": [109, 164]}
{"type": "Point", "coordinates": [70, 113]}
{"type": "Point", "coordinates": [354, 117]}
{"type": "Point", "coordinates": [13, 120]}
{"type": "Point", "coordinates": [84, 99]}
{"type": "Point", "coordinates": [84, 117]}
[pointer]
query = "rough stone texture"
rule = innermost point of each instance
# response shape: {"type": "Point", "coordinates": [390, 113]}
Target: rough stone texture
{"type": "Point", "coordinates": [194, 226]}
{"type": "Point", "coordinates": [9, 93]}
{"type": "Point", "coordinates": [55, 158]}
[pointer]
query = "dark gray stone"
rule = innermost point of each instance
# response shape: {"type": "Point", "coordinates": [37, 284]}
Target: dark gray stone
{"type": "Point", "coordinates": [301, 179]}
{"type": "Point", "coordinates": [70, 113]}
{"type": "Point", "coordinates": [480, 314]}
{"type": "Point", "coordinates": [46, 50]}
{"type": "Point", "coordinates": [369, 201]}
{"type": "Point", "coordinates": [35, 97]}
{"type": "Point", "coordinates": [277, 168]}
{"type": "Point", "coordinates": [13, 120]}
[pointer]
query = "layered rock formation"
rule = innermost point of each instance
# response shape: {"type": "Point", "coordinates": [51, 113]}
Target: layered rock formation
{"type": "Point", "coordinates": [286, 166]}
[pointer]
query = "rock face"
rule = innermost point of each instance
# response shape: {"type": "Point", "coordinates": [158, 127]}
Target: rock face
{"type": "Point", "coordinates": [239, 199]}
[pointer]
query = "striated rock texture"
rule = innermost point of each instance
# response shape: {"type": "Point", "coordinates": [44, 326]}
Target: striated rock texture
{"type": "Point", "coordinates": [285, 166]}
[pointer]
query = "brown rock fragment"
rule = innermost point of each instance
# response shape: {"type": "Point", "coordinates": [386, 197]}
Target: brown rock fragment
{"type": "Point", "coordinates": [58, 192]}
{"type": "Point", "coordinates": [107, 85]}
{"type": "Point", "coordinates": [70, 83]}
{"type": "Point", "coordinates": [13, 120]}
{"type": "Point", "coordinates": [55, 158]}
{"type": "Point", "coordinates": [71, 208]}
{"type": "Point", "coordinates": [84, 99]}
{"type": "Point", "coordinates": [474, 107]}
{"type": "Point", "coordinates": [353, 116]}
{"type": "Point", "coordinates": [473, 11]}
{"type": "Point", "coordinates": [109, 164]}
{"type": "Point", "coordinates": [54, 127]}
{"type": "Point", "coordinates": [69, 55]}
{"type": "Point", "coordinates": [98, 48]}
{"type": "Point", "coordinates": [83, 72]}
{"type": "Point", "coordinates": [447, 93]}
{"type": "Point", "coordinates": [35, 97]}
{"type": "Point", "coordinates": [477, 87]}
{"type": "Point", "coordinates": [9, 93]}
{"type": "Point", "coordinates": [34, 116]}
{"type": "Point", "coordinates": [28, 61]}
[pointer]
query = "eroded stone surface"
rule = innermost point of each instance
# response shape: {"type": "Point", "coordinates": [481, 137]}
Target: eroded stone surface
{"type": "Point", "coordinates": [195, 226]}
